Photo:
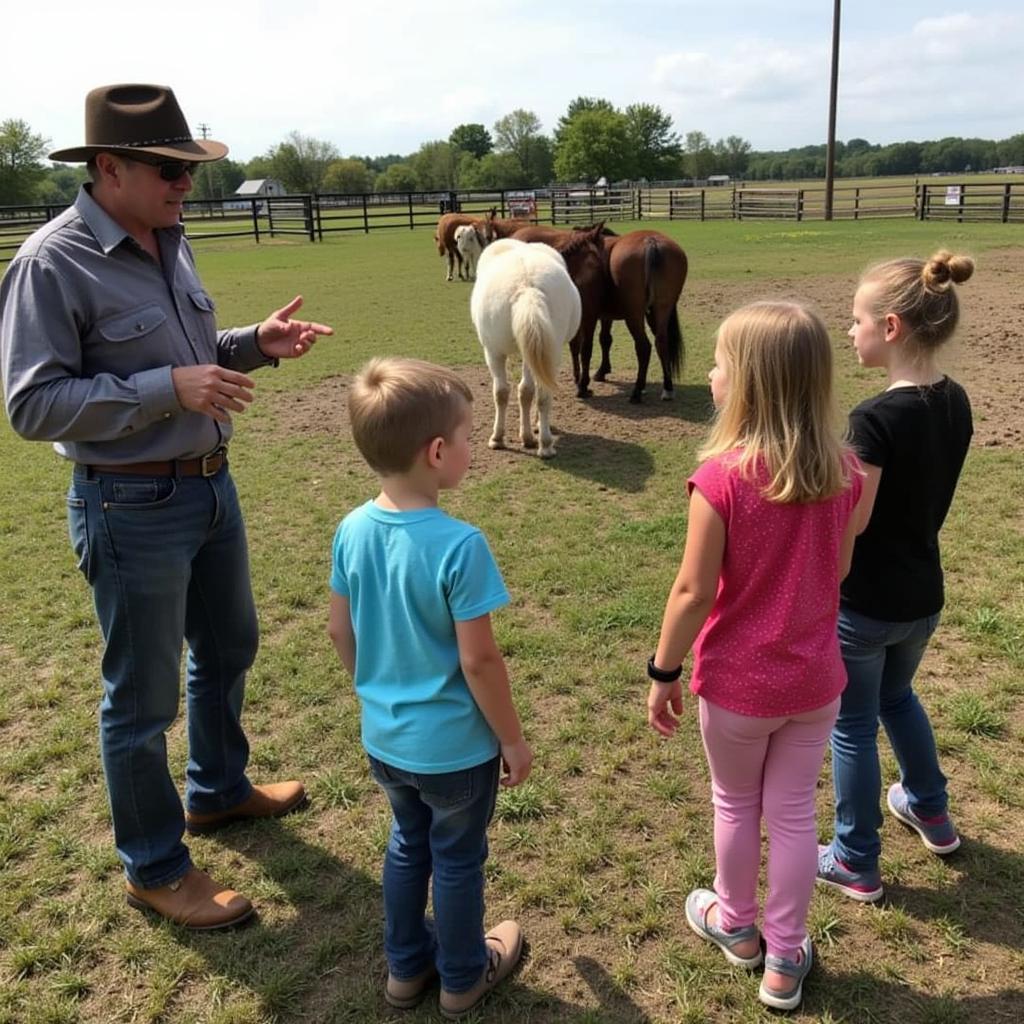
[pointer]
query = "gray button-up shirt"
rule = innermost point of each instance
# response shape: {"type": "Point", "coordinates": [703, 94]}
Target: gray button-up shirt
{"type": "Point", "coordinates": [90, 328]}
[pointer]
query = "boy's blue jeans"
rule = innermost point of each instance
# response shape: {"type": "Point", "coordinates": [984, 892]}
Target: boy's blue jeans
{"type": "Point", "coordinates": [440, 828]}
{"type": "Point", "coordinates": [167, 562]}
{"type": "Point", "coordinates": [881, 659]}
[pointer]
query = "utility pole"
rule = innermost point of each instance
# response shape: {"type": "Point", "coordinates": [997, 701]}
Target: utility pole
{"type": "Point", "coordinates": [204, 130]}
{"type": "Point", "coordinates": [830, 155]}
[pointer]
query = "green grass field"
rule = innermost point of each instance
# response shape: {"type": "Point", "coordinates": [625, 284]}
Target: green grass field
{"type": "Point", "coordinates": [596, 853]}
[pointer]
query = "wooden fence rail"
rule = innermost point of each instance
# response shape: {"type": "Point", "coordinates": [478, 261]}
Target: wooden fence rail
{"type": "Point", "coordinates": [316, 215]}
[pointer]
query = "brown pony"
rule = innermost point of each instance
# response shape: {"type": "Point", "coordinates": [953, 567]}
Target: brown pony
{"type": "Point", "coordinates": [584, 255]}
{"type": "Point", "coordinates": [647, 271]}
{"type": "Point", "coordinates": [444, 235]}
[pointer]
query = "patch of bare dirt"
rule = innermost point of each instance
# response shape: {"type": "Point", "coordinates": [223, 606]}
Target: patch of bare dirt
{"type": "Point", "coordinates": [607, 423]}
{"type": "Point", "coordinates": [987, 358]}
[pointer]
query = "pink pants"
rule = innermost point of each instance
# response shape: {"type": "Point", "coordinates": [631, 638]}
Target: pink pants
{"type": "Point", "coordinates": [766, 766]}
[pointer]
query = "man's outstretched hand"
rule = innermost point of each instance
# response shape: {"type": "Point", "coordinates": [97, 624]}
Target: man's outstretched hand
{"type": "Point", "coordinates": [281, 337]}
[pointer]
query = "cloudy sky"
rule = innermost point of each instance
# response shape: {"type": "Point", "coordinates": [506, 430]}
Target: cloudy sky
{"type": "Point", "coordinates": [378, 78]}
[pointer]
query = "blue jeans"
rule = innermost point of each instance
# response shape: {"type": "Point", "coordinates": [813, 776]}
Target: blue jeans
{"type": "Point", "coordinates": [167, 561]}
{"type": "Point", "coordinates": [881, 659]}
{"type": "Point", "coordinates": [440, 827]}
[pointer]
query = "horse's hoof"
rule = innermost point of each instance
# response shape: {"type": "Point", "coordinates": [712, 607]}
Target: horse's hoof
{"type": "Point", "coordinates": [529, 442]}
{"type": "Point", "coordinates": [667, 396]}
{"type": "Point", "coordinates": [496, 442]}
{"type": "Point", "coordinates": [600, 375]}
{"type": "Point", "coordinates": [547, 453]}
{"type": "Point", "coordinates": [584, 393]}
{"type": "Point", "coordinates": [636, 398]}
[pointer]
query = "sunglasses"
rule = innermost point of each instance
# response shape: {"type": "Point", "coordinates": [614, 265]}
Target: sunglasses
{"type": "Point", "coordinates": [170, 170]}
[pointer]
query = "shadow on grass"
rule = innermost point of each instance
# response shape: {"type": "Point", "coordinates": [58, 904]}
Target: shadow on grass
{"type": "Point", "coordinates": [326, 963]}
{"type": "Point", "coordinates": [690, 402]}
{"type": "Point", "coordinates": [620, 465]}
{"type": "Point", "coordinates": [985, 900]}
{"type": "Point", "coordinates": [861, 996]}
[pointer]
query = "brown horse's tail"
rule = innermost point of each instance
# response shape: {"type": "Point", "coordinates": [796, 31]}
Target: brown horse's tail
{"type": "Point", "coordinates": [535, 335]}
{"type": "Point", "coordinates": [653, 262]}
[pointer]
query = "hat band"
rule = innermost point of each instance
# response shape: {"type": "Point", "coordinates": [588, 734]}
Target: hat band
{"type": "Point", "coordinates": [148, 142]}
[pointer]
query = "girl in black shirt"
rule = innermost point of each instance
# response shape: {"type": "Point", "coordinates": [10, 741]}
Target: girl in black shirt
{"type": "Point", "coordinates": [912, 438]}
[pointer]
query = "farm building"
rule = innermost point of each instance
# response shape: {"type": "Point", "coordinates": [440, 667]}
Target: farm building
{"type": "Point", "coordinates": [260, 187]}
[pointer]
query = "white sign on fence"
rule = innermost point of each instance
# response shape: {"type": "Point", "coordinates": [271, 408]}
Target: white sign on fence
{"type": "Point", "coordinates": [952, 195]}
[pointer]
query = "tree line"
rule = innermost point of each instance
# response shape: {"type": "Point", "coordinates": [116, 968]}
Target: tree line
{"type": "Point", "coordinates": [592, 139]}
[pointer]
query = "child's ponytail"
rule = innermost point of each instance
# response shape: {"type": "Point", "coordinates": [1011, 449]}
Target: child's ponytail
{"type": "Point", "coordinates": [921, 293]}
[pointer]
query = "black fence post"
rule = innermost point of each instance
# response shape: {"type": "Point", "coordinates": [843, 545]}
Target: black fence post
{"type": "Point", "coordinates": [800, 204]}
{"type": "Point", "coordinates": [856, 203]}
{"type": "Point", "coordinates": [702, 208]}
{"type": "Point", "coordinates": [270, 217]}
{"type": "Point", "coordinates": [412, 223]}
{"type": "Point", "coordinates": [923, 211]}
{"type": "Point", "coordinates": [255, 220]}
{"type": "Point", "coordinates": [1006, 202]}
{"type": "Point", "coordinates": [366, 217]}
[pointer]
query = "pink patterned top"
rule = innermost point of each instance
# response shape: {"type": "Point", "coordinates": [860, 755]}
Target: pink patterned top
{"type": "Point", "coordinates": [769, 647]}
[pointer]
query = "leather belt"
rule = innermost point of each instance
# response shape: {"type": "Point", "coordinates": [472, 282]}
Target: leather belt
{"type": "Point", "coordinates": [206, 465]}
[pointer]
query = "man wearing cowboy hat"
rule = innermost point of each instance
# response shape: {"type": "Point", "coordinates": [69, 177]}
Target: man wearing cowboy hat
{"type": "Point", "coordinates": [110, 350]}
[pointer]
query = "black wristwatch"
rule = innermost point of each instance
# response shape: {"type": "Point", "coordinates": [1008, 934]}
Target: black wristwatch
{"type": "Point", "coordinates": [661, 675]}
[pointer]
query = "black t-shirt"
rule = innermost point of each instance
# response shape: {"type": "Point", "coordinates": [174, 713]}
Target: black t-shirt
{"type": "Point", "coordinates": [919, 437]}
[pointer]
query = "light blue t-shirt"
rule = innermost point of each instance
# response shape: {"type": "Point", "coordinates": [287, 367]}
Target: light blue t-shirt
{"type": "Point", "coordinates": [409, 577]}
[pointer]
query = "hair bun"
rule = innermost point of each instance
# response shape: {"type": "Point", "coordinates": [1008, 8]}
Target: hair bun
{"type": "Point", "coordinates": [945, 269]}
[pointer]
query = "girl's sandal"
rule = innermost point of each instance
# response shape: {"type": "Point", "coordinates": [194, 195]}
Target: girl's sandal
{"type": "Point", "coordinates": [789, 999]}
{"type": "Point", "coordinates": [698, 904]}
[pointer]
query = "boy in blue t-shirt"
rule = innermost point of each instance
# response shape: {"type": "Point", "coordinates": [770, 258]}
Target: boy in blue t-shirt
{"type": "Point", "coordinates": [412, 592]}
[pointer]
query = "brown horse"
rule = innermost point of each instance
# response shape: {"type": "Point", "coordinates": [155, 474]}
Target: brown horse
{"type": "Point", "coordinates": [647, 271]}
{"type": "Point", "coordinates": [444, 235]}
{"type": "Point", "coordinates": [584, 255]}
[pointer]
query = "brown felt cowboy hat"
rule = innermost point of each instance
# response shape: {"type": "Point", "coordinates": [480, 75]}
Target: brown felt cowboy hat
{"type": "Point", "coordinates": [126, 119]}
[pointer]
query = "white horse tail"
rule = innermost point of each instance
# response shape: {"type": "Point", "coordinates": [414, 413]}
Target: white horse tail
{"type": "Point", "coordinates": [535, 336]}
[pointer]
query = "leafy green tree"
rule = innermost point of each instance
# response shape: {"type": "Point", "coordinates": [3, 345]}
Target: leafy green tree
{"type": "Point", "coordinates": [435, 165]}
{"type": "Point", "coordinates": [517, 133]}
{"type": "Point", "coordinates": [731, 156]}
{"type": "Point", "coordinates": [653, 147]}
{"type": "Point", "coordinates": [700, 157]}
{"type": "Point", "coordinates": [594, 144]}
{"type": "Point", "coordinates": [399, 177]}
{"type": "Point", "coordinates": [580, 105]}
{"type": "Point", "coordinates": [61, 184]}
{"type": "Point", "coordinates": [494, 171]}
{"type": "Point", "coordinates": [218, 179]}
{"type": "Point", "coordinates": [472, 138]}
{"type": "Point", "coordinates": [21, 172]}
{"type": "Point", "coordinates": [300, 162]}
{"type": "Point", "coordinates": [349, 175]}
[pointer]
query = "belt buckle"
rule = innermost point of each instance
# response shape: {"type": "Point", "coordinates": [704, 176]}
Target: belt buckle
{"type": "Point", "coordinates": [204, 462]}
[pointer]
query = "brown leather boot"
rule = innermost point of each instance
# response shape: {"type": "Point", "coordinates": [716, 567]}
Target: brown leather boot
{"type": "Point", "coordinates": [271, 801]}
{"type": "Point", "coordinates": [195, 900]}
{"type": "Point", "coordinates": [504, 947]}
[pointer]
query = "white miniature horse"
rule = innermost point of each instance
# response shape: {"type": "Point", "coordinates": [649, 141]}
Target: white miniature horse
{"type": "Point", "coordinates": [470, 243]}
{"type": "Point", "coordinates": [524, 298]}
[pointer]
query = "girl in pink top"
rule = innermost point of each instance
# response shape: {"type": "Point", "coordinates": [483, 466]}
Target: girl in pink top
{"type": "Point", "coordinates": [774, 509]}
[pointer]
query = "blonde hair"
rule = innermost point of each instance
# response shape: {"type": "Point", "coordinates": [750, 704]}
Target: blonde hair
{"type": "Point", "coordinates": [779, 409]}
{"type": "Point", "coordinates": [398, 406]}
{"type": "Point", "coordinates": [921, 293]}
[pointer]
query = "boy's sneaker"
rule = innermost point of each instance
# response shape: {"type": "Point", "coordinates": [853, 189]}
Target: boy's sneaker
{"type": "Point", "coordinates": [937, 834]}
{"type": "Point", "coordinates": [862, 886]}
{"type": "Point", "coordinates": [504, 947]}
{"type": "Point", "coordinates": [405, 993]}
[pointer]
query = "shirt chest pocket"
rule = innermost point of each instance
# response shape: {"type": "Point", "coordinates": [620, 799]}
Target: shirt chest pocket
{"type": "Point", "coordinates": [202, 301]}
{"type": "Point", "coordinates": [135, 324]}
